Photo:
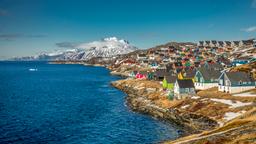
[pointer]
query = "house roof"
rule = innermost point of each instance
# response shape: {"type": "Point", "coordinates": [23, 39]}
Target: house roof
{"type": "Point", "coordinates": [215, 66]}
{"type": "Point", "coordinates": [236, 42]}
{"type": "Point", "coordinates": [214, 41]}
{"type": "Point", "coordinates": [170, 78]}
{"type": "Point", "coordinates": [221, 42]}
{"type": "Point", "coordinates": [185, 83]}
{"type": "Point", "coordinates": [143, 72]}
{"type": "Point", "coordinates": [228, 42]}
{"type": "Point", "coordinates": [209, 74]}
{"type": "Point", "coordinates": [239, 76]}
{"type": "Point", "coordinates": [190, 73]}
{"type": "Point", "coordinates": [142, 55]}
{"type": "Point", "coordinates": [247, 42]}
{"type": "Point", "coordinates": [178, 64]}
{"type": "Point", "coordinates": [160, 72]}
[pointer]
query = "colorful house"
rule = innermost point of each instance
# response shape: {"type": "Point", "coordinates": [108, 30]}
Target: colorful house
{"type": "Point", "coordinates": [159, 74]}
{"type": "Point", "coordinates": [206, 78]}
{"type": "Point", "coordinates": [235, 82]}
{"type": "Point", "coordinates": [187, 74]}
{"type": "Point", "coordinates": [141, 75]}
{"type": "Point", "coordinates": [168, 82]}
{"type": "Point", "coordinates": [153, 64]}
{"type": "Point", "coordinates": [213, 66]}
{"type": "Point", "coordinates": [241, 61]}
{"type": "Point", "coordinates": [150, 75]}
{"type": "Point", "coordinates": [133, 74]}
{"type": "Point", "coordinates": [183, 88]}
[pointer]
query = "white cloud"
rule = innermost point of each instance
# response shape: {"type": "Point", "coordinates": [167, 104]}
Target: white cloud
{"type": "Point", "coordinates": [250, 29]}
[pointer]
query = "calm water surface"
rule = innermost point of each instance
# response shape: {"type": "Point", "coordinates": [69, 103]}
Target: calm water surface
{"type": "Point", "coordinates": [69, 104]}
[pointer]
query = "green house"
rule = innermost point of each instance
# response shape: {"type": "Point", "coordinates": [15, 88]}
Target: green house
{"type": "Point", "coordinates": [187, 64]}
{"type": "Point", "coordinates": [150, 75]}
{"type": "Point", "coordinates": [168, 82]}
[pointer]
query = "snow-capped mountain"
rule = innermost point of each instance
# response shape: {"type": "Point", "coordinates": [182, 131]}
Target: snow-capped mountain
{"type": "Point", "coordinates": [107, 47]}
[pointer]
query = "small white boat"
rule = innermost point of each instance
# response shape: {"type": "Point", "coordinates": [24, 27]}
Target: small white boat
{"type": "Point", "coordinates": [32, 69]}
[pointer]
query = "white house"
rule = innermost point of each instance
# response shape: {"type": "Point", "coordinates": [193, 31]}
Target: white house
{"type": "Point", "coordinates": [213, 43]}
{"type": "Point", "coordinates": [206, 78]}
{"type": "Point", "coordinates": [235, 82]}
{"type": "Point", "coordinates": [141, 56]}
{"type": "Point", "coordinates": [227, 43]}
{"type": "Point", "coordinates": [235, 43]}
{"type": "Point", "coordinates": [183, 88]}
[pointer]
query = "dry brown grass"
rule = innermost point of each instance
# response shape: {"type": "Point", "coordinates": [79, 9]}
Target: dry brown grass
{"type": "Point", "coordinates": [246, 68]}
{"type": "Point", "coordinates": [214, 93]}
{"type": "Point", "coordinates": [241, 130]}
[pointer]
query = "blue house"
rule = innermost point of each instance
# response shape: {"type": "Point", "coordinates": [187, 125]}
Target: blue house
{"type": "Point", "coordinates": [240, 61]}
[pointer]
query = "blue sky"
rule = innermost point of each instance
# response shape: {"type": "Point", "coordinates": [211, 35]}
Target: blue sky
{"type": "Point", "coordinates": [28, 27]}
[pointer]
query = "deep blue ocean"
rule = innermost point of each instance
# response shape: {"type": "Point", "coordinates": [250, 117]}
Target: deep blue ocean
{"type": "Point", "coordinates": [69, 104]}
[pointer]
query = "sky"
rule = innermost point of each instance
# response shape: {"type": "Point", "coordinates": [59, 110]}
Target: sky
{"type": "Point", "coordinates": [28, 27]}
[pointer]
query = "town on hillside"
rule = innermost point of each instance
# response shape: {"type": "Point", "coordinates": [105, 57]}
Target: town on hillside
{"type": "Point", "coordinates": [185, 68]}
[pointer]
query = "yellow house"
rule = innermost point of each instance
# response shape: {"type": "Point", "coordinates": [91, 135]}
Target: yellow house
{"type": "Point", "coordinates": [188, 74]}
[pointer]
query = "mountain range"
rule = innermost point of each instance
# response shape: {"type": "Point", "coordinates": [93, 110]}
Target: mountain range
{"type": "Point", "coordinates": [107, 47]}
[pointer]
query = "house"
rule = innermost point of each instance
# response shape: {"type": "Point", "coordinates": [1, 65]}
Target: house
{"type": "Point", "coordinates": [141, 75]}
{"type": "Point", "coordinates": [151, 55]}
{"type": "Point", "coordinates": [159, 74]}
{"type": "Point", "coordinates": [213, 66]}
{"type": "Point", "coordinates": [240, 61]}
{"type": "Point", "coordinates": [183, 88]}
{"type": "Point", "coordinates": [177, 65]}
{"type": "Point", "coordinates": [224, 62]}
{"type": "Point", "coordinates": [220, 43]}
{"type": "Point", "coordinates": [206, 43]}
{"type": "Point", "coordinates": [235, 82]}
{"type": "Point", "coordinates": [133, 74]}
{"type": "Point", "coordinates": [206, 78]}
{"type": "Point", "coordinates": [246, 42]}
{"type": "Point", "coordinates": [150, 75]}
{"type": "Point", "coordinates": [227, 44]}
{"type": "Point", "coordinates": [254, 43]}
{"type": "Point", "coordinates": [164, 51]}
{"type": "Point", "coordinates": [169, 67]}
{"type": "Point", "coordinates": [235, 43]}
{"type": "Point", "coordinates": [168, 82]}
{"type": "Point", "coordinates": [187, 74]}
{"type": "Point", "coordinates": [200, 43]}
{"type": "Point", "coordinates": [166, 59]}
{"type": "Point", "coordinates": [141, 56]}
{"type": "Point", "coordinates": [153, 64]}
{"type": "Point", "coordinates": [213, 43]}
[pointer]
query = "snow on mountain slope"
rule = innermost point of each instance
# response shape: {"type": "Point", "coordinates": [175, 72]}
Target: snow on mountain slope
{"type": "Point", "coordinates": [107, 47]}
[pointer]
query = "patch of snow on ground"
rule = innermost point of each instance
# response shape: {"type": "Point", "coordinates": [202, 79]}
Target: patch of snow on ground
{"type": "Point", "coordinates": [229, 102]}
{"type": "Point", "coordinates": [221, 124]}
{"type": "Point", "coordinates": [185, 106]}
{"type": "Point", "coordinates": [247, 94]}
{"type": "Point", "coordinates": [195, 97]}
{"type": "Point", "coordinates": [231, 115]}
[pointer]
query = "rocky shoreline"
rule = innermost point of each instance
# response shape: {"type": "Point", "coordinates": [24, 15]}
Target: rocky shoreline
{"type": "Point", "coordinates": [190, 123]}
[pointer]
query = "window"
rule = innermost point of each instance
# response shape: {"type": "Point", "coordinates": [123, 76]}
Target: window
{"type": "Point", "coordinates": [221, 82]}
